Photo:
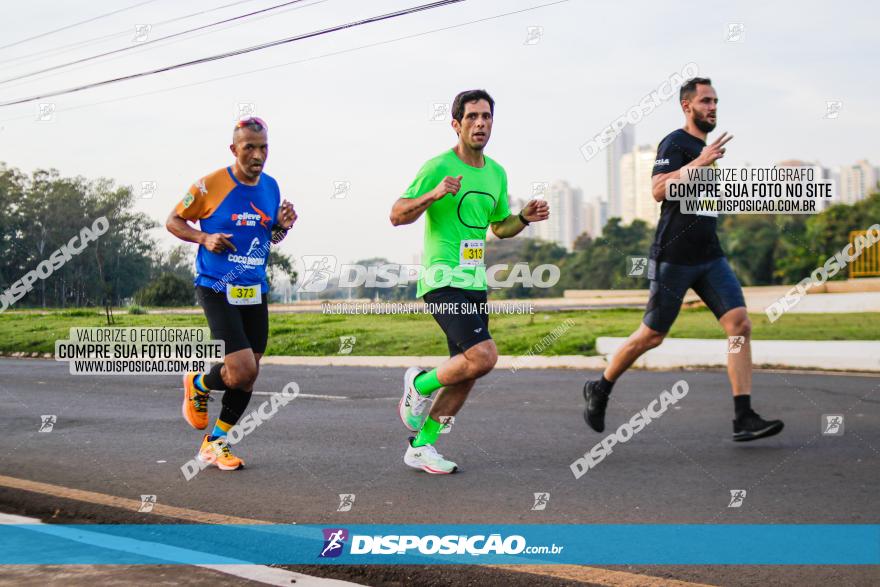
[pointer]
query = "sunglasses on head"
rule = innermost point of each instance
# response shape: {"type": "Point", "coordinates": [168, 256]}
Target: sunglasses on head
{"type": "Point", "coordinates": [252, 121]}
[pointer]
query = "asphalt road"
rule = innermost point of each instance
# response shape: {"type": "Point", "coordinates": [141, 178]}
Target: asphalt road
{"type": "Point", "coordinates": [517, 436]}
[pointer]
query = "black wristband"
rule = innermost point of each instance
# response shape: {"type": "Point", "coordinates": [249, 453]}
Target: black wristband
{"type": "Point", "coordinates": [523, 219]}
{"type": "Point", "coordinates": [278, 233]}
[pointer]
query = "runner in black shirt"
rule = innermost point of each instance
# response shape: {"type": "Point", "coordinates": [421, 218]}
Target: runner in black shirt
{"type": "Point", "coordinates": [683, 239]}
{"type": "Point", "coordinates": [686, 254]}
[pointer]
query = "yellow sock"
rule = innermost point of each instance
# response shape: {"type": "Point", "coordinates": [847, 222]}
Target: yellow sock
{"type": "Point", "coordinates": [220, 429]}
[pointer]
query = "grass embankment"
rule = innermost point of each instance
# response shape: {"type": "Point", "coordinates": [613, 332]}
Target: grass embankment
{"type": "Point", "coordinates": [417, 334]}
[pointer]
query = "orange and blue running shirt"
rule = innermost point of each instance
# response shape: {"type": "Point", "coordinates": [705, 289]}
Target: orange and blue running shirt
{"type": "Point", "coordinates": [221, 203]}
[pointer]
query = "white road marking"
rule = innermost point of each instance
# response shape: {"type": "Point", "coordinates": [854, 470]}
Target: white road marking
{"type": "Point", "coordinates": [572, 572]}
{"type": "Point", "coordinates": [7, 519]}
{"type": "Point", "coordinates": [308, 395]}
{"type": "Point", "coordinates": [276, 576]}
{"type": "Point", "coordinates": [326, 397]}
{"type": "Point", "coordinates": [173, 554]}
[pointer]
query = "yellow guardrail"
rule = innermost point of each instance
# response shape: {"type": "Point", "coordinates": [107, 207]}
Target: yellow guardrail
{"type": "Point", "coordinates": [868, 263]}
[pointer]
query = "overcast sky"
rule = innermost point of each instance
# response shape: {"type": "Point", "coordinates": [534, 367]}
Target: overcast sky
{"type": "Point", "coordinates": [363, 115]}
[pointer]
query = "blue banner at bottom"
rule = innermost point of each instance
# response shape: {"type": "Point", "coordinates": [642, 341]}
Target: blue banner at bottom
{"type": "Point", "coordinates": [601, 544]}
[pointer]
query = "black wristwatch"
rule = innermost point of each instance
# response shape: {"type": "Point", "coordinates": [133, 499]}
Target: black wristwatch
{"type": "Point", "coordinates": [523, 219]}
{"type": "Point", "coordinates": [278, 233]}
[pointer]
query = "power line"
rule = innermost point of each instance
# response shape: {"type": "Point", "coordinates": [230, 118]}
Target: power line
{"type": "Point", "coordinates": [388, 16]}
{"type": "Point", "coordinates": [144, 44]}
{"type": "Point", "coordinates": [296, 62]}
{"type": "Point", "coordinates": [76, 24]}
{"type": "Point", "coordinates": [127, 31]}
{"type": "Point", "coordinates": [193, 37]}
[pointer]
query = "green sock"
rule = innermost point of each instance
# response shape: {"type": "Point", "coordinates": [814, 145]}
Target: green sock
{"type": "Point", "coordinates": [427, 383]}
{"type": "Point", "coordinates": [429, 432]}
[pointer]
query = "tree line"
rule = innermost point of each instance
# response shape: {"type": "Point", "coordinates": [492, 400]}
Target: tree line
{"type": "Point", "coordinates": [763, 250]}
{"type": "Point", "coordinates": [43, 211]}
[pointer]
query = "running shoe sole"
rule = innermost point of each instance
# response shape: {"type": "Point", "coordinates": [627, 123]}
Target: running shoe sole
{"type": "Point", "coordinates": [431, 470]}
{"type": "Point", "coordinates": [770, 430]}
{"type": "Point", "coordinates": [435, 471]}
{"type": "Point", "coordinates": [218, 465]}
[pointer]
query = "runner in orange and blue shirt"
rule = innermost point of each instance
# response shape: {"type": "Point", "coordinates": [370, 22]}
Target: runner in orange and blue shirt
{"type": "Point", "coordinates": [240, 215]}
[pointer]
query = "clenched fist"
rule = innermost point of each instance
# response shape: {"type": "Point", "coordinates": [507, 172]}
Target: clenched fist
{"type": "Point", "coordinates": [286, 215]}
{"type": "Point", "coordinates": [449, 185]}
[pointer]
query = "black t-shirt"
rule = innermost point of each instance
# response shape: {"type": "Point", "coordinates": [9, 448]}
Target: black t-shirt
{"type": "Point", "coordinates": [684, 239]}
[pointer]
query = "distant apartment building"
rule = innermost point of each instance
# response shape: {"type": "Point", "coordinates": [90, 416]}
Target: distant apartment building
{"type": "Point", "coordinates": [566, 208]}
{"type": "Point", "coordinates": [636, 199]}
{"type": "Point", "coordinates": [624, 143]}
{"type": "Point", "coordinates": [819, 173]}
{"type": "Point", "coordinates": [857, 182]}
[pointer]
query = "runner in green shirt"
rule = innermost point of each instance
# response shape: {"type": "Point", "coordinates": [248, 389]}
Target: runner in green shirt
{"type": "Point", "coordinates": [463, 193]}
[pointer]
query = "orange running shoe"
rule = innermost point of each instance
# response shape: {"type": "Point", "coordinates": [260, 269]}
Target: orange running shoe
{"type": "Point", "coordinates": [216, 452]}
{"type": "Point", "coordinates": [195, 403]}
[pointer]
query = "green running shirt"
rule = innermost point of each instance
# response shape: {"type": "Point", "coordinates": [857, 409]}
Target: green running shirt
{"type": "Point", "coordinates": [456, 225]}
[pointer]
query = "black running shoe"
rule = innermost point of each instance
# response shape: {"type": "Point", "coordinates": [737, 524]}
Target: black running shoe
{"type": "Point", "coordinates": [594, 413]}
{"type": "Point", "coordinates": [751, 426]}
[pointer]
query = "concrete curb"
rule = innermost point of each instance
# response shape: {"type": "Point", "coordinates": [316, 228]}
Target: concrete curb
{"type": "Point", "coordinates": [844, 355]}
{"type": "Point", "coordinates": [833, 355]}
{"type": "Point", "coordinates": [504, 361]}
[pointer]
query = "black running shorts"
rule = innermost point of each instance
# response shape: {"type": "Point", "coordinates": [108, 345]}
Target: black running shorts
{"type": "Point", "coordinates": [462, 314]}
{"type": "Point", "coordinates": [239, 327]}
{"type": "Point", "coordinates": [714, 282]}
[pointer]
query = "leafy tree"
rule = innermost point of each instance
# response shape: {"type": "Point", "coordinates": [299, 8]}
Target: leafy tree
{"type": "Point", "coordinates": [277, 265]}
{"type": "Point", "coordinates": [750, 242]}
{"type": "Point", "coordinates": [167, 290]}
{"type": "Point", "coordinates": [602, 263]}
{"type": "Point", "coordinates": [533, 253]}
{"type": "Point", "coordinates": [179, 260]}
{"type": "Point", "coordinates": [786, 248]}
{"type": "Point", "coordinates": [582, 241]}
{"type": "Point", "coordinates": [13, 185]}
{"type": "Point", "coordinates": [46, 211]}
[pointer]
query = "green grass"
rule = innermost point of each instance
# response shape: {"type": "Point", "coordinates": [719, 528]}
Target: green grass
{"type": "Point", "coordinates": [417, 334]}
